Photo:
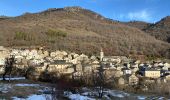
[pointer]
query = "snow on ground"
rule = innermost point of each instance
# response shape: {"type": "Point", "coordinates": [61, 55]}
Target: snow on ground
{"type": "Point", "coordinates": [4, 88]}
{"type": "Point", "coordinates": [116, 93]}
{"type": "Point", "coordinates": [32, 85]}
{"type": "Point", "coordinates": [141, 97]}
{"type": "Point", "coordinates": [122, 94]}
{"type": "Point", "coordinates": [14, 78]}
{"type": "Point", "coordinates": [35, 97]}
{"type": "Point", "coordinates": [76, 96]}
{"type": "Point", "coordinates": [86, 93]}
{"type": "Point", "coordinates": [79, 97]}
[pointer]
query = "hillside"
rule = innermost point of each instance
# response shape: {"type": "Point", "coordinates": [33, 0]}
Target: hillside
{"type": "Point", "coordinates": [138, 24]}
{"type": "Point", "coordinates": [161, 29]}
{"type": "Point", "coordinates": [80, 30]}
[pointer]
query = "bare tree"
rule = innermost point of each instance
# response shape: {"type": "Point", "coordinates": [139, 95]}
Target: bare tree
{"type": "Point", "coordinates": [9, 64]}
{"type": "Point", "coordinates": [99, 80]}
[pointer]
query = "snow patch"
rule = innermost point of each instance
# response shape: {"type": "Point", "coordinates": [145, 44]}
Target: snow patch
{"type": "Point", "coordinates": [141, 97]}
{"type": "Point", "coordinates": [14, 78]}
{"type": "Point", "coordinates": [79, 97]}
{"type": "Point", "coordinates": [4, 88]}
{"type": "Point", "coordinates": [116, 93]}
{"type": "Point", "coordinates": [35, 97]}
{"type": "Point", "coordinates": [76, 96]}
{"type": "Point", "coordinates": [31, 85]}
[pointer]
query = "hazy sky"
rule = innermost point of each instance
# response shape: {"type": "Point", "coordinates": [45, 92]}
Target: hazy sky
{"type": "Point", "coordinates": [122, 10]}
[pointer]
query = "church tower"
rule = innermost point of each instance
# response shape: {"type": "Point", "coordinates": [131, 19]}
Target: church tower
{"type": "Point", "coordinates": [101, 55]}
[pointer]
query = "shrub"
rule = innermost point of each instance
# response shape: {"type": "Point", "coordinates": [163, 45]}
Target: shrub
{"type": "Point", "coordinates": [20, 36]}
{"type": "Point", "coordinates": [56, 33]}
{"type": "Point", "coordinates": [23, 36]}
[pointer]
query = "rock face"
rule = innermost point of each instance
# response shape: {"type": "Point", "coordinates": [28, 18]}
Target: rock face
{"type": "Point", "coordinates": [78, 30]}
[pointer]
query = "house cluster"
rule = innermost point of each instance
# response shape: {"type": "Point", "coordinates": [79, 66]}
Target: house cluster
{"type": "Point", "coordinates": [120, 69]}
{"type": "Point", "coordinates": [3, 54]}
{"type": "Point", "coordinates": [57, 62]}
{"type": "Point", "coordinates": [126, 71]}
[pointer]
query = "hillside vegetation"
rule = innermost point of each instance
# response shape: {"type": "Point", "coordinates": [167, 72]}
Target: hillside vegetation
{"type": "Point", "coordinates": [138, 24]}
{"type": "Point", "coordinates": [160, 30]}
{"type": "Point", "coordinates": [79, 30]}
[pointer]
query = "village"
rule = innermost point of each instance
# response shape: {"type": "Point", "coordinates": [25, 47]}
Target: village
{"type": "Point", "coordinates": [119, 70]}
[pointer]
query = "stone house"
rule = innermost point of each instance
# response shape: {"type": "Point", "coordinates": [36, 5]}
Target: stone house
{"type": "Point", "coordinates": [95, 65]}
{"type": "Point", "coordinates": [2, 61]}
{"type": "Point", "coordinates": [166, 64]}
{"type": "Point", "coordinates": [134, 66]}
{"type": "Point", "coordinates": [79, 67]}
{"type": "Point", "coordinates": [59, 55]}
{"type": "Point", "coordinates": [167, 78]}
{"type": "Point", "coordinates": [111, 59]}
{"type": "Point", "coordinates": [40, 52]}
{"type": "Point", "coordinates": [25, 53]}
{"type": "Point", "coordinates": [134, 70]}
{"type": "Point", "coordinates": [46, 53]}
{"type": "Point", "coordinates": [109, 74]}
{"type": "Point", "coordinates": [127, 65]}
{"type": "Point", "coordinates": [119, 68]}
{"type": "Point", "coordinates": [148, 81]}
{"type": "Point", "coordinates": [150, 72]}
{"type": "Point", "coordinates": [42, 67]}
{"type": "Point", "coordinates": [60, 66]}
{"type": "Point", "coordinates": [33, 53]}
{"type": "Point", "coordinates": [20, 65]}
{"type": "Point", "coordinates": [118, 73]}
{"type": "Point", "coordinates": [2, 69]}
{"type": "Point", "coordinates": [121, 81]}
{"type": "Point", "coordinates": [87, 68]}
{"type": "Point", "coordinates": [133, 79]}
{"type": "Point", "coordinates": [77, 75]}
{"type": "Point", "coordinates": [161, 80]}
{"type": "Point", "coordinates": [3, 50]}
{"type": "Point", "coordinates": [52, 54]}
{"type": "Point", "coordinates": [69, 70]}
{"type": "Point", "coordinates": [161, 64]}
{"type": "Point", "coordinates": [126, 71]}
{"type": "Point", "coordinates": [3, 54]}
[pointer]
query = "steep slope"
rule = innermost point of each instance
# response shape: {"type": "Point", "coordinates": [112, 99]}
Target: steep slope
{"type": "Point", "coordinates": [161, 29]}
{"type": "Point", "coordinates": [80, 30]}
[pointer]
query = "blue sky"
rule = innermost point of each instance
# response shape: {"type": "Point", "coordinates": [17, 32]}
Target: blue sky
{"type": "Point", "coordinates": [122, 10]}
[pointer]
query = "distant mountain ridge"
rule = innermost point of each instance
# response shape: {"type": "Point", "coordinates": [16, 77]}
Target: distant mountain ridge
{"type": "Point", "coordinates": [138, 24]}
{"type": "Point", "coordinates": [79, 30]}
{"type": "Point", "coordinates": [160, 30]}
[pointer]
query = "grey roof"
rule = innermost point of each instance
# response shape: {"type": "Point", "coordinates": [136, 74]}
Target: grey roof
{"type": "Point", "coordinates": [60, 62]}
{"type": "Point", "coordinates": [150, 69]}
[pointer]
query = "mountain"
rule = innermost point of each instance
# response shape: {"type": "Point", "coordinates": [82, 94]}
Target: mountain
{"type": "Point", "coordinates": [79, 30]}
{"type": "Point", "coordinates": [160, 30]}
{"type": "Point", "coordinates": [3, 17]}
{"type": "Point", "coordinates": [138, 24]}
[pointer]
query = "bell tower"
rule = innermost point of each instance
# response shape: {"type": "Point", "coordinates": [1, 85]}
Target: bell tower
{"type": "Point", "coordinates": [101, 54]}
